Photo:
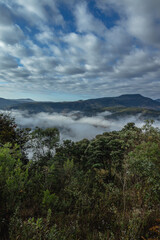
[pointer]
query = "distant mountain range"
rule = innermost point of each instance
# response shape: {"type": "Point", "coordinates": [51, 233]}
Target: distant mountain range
{"type": "Point", "coordinates": [9, 103]}
{"type": "Point", "coordinates": [122, 105]}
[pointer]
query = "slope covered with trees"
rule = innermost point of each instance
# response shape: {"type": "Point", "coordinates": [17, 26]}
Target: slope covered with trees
{"type": "Point", "coordinates": [90, 105]}
{"type": "Point", "coordinates": [107, 188]}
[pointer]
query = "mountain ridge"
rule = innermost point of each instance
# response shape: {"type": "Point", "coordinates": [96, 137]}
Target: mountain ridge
{"type": "Point", "coordinates": [89, 105]}
{"type": "Point", "coordinates": [5, 103]}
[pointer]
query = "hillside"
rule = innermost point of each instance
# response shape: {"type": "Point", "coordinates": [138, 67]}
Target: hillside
{"type": "Point", "coordinates": [142, 113]}
{"type": "Point", "coordinates": [105, 188]}
{"type": "Point", "coordinates": [90, 105]}
{"type": "Point", "coordinates": [9, 103]}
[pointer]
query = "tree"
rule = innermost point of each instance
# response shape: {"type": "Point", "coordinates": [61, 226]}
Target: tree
{"type": "Point", "coordinates": [105, 152]}
{"type": "Point", "coordinates": [11, 133]}
{"type": "Point", "coordinates": [13, 177]}
{"type": "Point", "coordinates": [44, 142]}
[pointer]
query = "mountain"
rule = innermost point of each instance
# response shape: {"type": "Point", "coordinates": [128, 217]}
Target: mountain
{"type": "Point", "coordinates": [9, 103]}
{"type": "Point", "coordinates": [119, 107]}
{"type": "Point", "coordinates": [158, 100]}
{"type": "Point", "coordinates": [87, 106]}
{"type": "Point", "coordinates": [128, 100]}
{"type": "Point", "coordinates": [23, 100]}
{"type": "Point", "coordinates": [140, 113]}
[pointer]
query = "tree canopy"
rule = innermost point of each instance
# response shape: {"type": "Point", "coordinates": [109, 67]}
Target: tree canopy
{"type": "Point", "coordinates": [104, 188]}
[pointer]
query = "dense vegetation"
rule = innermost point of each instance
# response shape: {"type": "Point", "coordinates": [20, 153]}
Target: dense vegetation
{"type": "Point", "coordinates": [107, 188]}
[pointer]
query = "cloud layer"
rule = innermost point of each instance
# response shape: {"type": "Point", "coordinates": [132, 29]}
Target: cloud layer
{"type": "Point", "coordinates": [82, 48]}
{"type": "Point", "coordinates": [74, 125]}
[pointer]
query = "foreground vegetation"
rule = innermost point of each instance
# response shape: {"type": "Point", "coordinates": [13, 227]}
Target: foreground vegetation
{"type": "Point", "coordinates": [107, 188]}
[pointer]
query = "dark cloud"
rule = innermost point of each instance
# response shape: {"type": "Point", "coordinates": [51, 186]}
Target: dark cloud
{"type": "Point", "coordinates": [7, 62]}
{"type": "Point", "coordinates": [5, 15]}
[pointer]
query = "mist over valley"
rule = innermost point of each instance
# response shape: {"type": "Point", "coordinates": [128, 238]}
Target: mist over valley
{"type": "Point", "coordinates": [74, 125]}
{"type": "Point", "coordinates": [83, 119]}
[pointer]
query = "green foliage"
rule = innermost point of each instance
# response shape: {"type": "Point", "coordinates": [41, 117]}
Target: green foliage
{"type": "Point", "coordinates": [34, 229]}
{"type": "Point", "coordinates": [49, 200]}
{"type": "Point", "coordinates": [104, 188]}
{"type": "Point", "coordinates": [13, 177]}
{"type": "Point", "coordinates": [68, 166]}
{"type": "Point", "coordinates": [10, 133]}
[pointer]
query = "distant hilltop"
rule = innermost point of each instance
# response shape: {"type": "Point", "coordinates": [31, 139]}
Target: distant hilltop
{"type": "Point", "coordinates": [97, 104]}
{"type": "Point", "coordinates": [9, 103]}
{"type": "Point", "coordinates": [24, 100]}
{"type": "Point", "coordinates": [121, 106]}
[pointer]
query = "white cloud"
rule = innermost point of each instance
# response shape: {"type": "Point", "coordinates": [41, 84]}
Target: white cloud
{"type": "Point", "coordinates": [11, 34]}
{"type": "Point", "coordinates": [86, 22]}
{"type": "Point", "coordinates": [141, 18]}
{"type": "Point", "coordinates": [72, 127]}
{"type": "Point", "coordinates": [137, 64]}
{"type": "Point", "coordinates": [40, 46]}
{"type": "Point", "coordinates": [37, 12]}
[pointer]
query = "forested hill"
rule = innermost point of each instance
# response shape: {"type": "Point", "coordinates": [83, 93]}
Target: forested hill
{"type": "Point", "coordinates": [106, 188]}
{"type": "Point", "coordinates": [6, 103]}
{"type": "Point", "coordinates": [127, 101]}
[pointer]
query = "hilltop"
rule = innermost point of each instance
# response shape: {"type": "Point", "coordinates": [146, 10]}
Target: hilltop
{"type": "Point", "coordinates": [90, 105]}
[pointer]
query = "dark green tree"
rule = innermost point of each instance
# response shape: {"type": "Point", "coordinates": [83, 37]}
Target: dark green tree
{"type": "Point", "coordinates": [11, 133]}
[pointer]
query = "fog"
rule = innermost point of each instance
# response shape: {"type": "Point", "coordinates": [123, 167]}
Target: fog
{"type": "Point", "coordinates": [74, 125]}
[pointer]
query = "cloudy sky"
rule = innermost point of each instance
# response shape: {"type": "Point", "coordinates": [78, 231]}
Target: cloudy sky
{"type": "Point", "coordinates": [78, 49]}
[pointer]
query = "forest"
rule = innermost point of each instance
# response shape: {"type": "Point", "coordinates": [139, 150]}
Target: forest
{"type": "Point", "coordinates": [107, 188]}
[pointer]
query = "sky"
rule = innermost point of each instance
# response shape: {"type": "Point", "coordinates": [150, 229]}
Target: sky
{"type": "Point", "coordinates": [66, 50]}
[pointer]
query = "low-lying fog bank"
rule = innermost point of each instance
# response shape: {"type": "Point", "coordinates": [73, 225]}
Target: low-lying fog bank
{"type": "Point", "coordinates": [74, 125]}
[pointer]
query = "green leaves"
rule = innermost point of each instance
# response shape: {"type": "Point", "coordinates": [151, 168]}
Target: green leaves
{"type": "Point", "coordinates": [49, 200]}
{"type": "Point", "coordinates": [107, 187]}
